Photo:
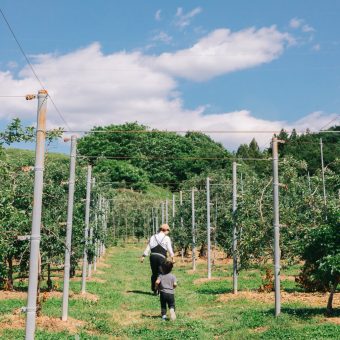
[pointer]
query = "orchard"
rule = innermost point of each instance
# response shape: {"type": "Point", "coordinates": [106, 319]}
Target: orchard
{"type": "Point", "coordinates": [125, 184]}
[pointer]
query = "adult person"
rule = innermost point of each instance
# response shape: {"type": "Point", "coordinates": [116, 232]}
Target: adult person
{"type": "Point", "coordinates": [158, 247]}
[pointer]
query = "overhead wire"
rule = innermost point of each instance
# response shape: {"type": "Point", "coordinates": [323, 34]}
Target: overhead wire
{"type": "Point", "coordinates": [31, 67]}
{"type": "Point", "coordinates": [190, 131]}
{"type": "Point", "coordinates": [333, 120]}
{"type": "Point", "coordinates": [12, 96]}
{"type": "Point", "coordinates": [173, 158]}
{"type": "Point", "coordinates": [79, 131]}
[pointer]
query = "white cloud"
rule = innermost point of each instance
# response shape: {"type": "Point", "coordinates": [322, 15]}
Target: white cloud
{"type": "Point", "coordinates": [12, 64]}
{"type": "Point", "coordinates": [158, 15]}
{"type": "Point", "coordinates": [91, 88]}
{"type": "Point", "coordinates": [184, 19]}
{"type": "Point", "coordinates": [316, 47]}
{"type": "Point", "coordinates": [295, 23]}
{"type": "Point", "coordinates": [307, 28]}
{"type": "Point", "coordinates": [223, 51]}
{"type": "Point", "coordinates": [162, 37]}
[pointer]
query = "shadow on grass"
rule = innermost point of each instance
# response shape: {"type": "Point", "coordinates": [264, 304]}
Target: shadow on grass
{"type": "Point", "coordinates": [293, 289]}
{"type": "Point", "coordinates": [24, 289]}
{"type": "Point", "coordinates": [148, 316]}
{"type": "Point", "coordinates": [308, 312]}
{"type": "Point", "coordinates": [139, 292]}
{"type": "Point", "coordinates": [214, 290]}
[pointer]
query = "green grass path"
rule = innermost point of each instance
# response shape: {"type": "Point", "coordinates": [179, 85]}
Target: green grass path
{"type": "Point", "coordinates": [126, 310]}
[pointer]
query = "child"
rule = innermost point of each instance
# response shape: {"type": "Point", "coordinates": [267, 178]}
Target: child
{"type": "Point", "coordinates": [166, 283]}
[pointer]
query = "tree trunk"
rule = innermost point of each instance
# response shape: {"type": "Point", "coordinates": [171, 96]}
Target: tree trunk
{"type": "Point", "coordinates": [38, 312]}
{"type": "Point", "coordinates": [330, 298]}
{"type": "Point", "coordinates": [73, 271]}
{"type": "Point", "coordinates": [203, 250]}
{"type": "Point", "coordinates": [10, 273]}
{"type": "Point", "coordinates": [126, 230]}
{"type": "Point", "coordinates": [49, 280]}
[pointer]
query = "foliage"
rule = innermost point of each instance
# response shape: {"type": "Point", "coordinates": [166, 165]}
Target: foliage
{"type": "Point", "coordinates": [162, 156]}
{"type": "Point", "coordinates": [15, 132]}
{"type": "Point", "coordinates": [134, 169]}
{"type": "Point", "coordinates": [122, 173]}
{"type": "Point", "coordinates": [307, 147]}
{"type": "Point", "coordinates": [321, 253]}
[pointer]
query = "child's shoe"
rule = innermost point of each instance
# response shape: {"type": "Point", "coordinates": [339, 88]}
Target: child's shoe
{"type": "Point", "coordinates": [163, 317]}
{"type": "Point", "coordinates": [172, 314]}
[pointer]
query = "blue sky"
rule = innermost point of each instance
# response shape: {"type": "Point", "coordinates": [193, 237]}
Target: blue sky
{"type": "Point", "coordinates": [176, 64]}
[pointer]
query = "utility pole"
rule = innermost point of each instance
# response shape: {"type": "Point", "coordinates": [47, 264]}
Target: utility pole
{"type": "Point", "coordinates": [89, 274]}
{"type": "Point", "coordinates": [157, 224]}
{"type": "Point", "coordinates": [173, 211]}
{"type": "Point", "coordinates": [96, 228]}
{"type": "Point", "coordinates": [216, 221]}
{"type": "Point", "coordinates": [166, 211]}
{"type": "Point", "coordinates": [181, 214]}
{"type": "Point", "coordinates": [181, 203]}
{"type": "Point", "coordinates": [68, 245]}
{"type": "Point", "coordinates": [87, 224]}
{"type": "Point", "coordinates": [323, 173]}
{"type": "Point", "coordinates": [101, 223]}
{"type": "Point", "coordinates": [242, 184]}
{"type": "Point", "coordinates": [153, 222]}
{"type": "Point", "coordinates": [106, 212]}
{"type": "Point", "coordinates": [113, 222]}
{"type": "Point", "coordinates": [208, 228]}
{"type": "Point", "coordinates": [36, 215]}
{"type": "Point", "coordinates": [162, 208]}
{"type": "Point", "coordinates": [277, 253]}
{"type": "Point", "coordinates": [126, 229]}
{"type": "Point", "coordinates": [193, 228]}
{"type": "Point", "coordinates": [234, 228]}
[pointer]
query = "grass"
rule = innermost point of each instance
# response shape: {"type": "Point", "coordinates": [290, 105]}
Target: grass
{"type": "Point", "coordinates": [126, 310]}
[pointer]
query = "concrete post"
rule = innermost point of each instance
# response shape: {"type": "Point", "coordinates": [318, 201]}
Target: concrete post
{"type": "Point", "coordinates": [68, 245]}
{"type": "Point", "coordinates": [276, 227]}
{"type": "Point", "coordinates": [193, 228]}
{"type": "Point", "coordinates": [89, 274]}
{"type": "Point", "coordinates": [162, 209]}
{"type": "Point", "coordinates": [234, 228]}
{"type": "Point", "coordinates": [173, 211]}
{"type": "Point", "coordinates": [167, 211]}
{"type": "Point", "coordinates": [323, 173]}
{"type": "Point", "coordinates": [36, 215]}
{"type": "Point", "coordinates": [87, 224]}
{"type": "Point", "coordinates": [208, 228]}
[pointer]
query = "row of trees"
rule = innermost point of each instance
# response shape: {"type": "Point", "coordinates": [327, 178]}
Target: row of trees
{"type": "Point", "coordinates": [136, 171]}
{"type": "Point", "coordinates": [16, 188]}
{"type": "Point", "coordinates": [310, 230]}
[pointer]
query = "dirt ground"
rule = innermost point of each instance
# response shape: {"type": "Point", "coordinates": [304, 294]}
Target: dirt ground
{"type": "Point", "coordinates": [14, 295]}
{"type": "Point", "coordinates": [217, 258]}
{"type": "Point", "coordinates": [125, 318]}
{"type": "Point", "coordinates": [89, 279]}
{"type": "Point", "coordinates": [6, 295]}
{"type": "Point", "coordinates": [311, 299]}
{"type": "Point", "coordinates": [205, 279]}
{"type": "Point", "coordinates": [17, 321]}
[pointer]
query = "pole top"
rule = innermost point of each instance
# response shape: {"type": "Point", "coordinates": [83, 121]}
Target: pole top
{"type": "Point", "coordinates": [43, 92]}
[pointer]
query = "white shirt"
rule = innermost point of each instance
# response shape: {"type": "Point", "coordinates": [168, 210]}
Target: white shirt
{"type": "Point", "coordinates": [159, 239]}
